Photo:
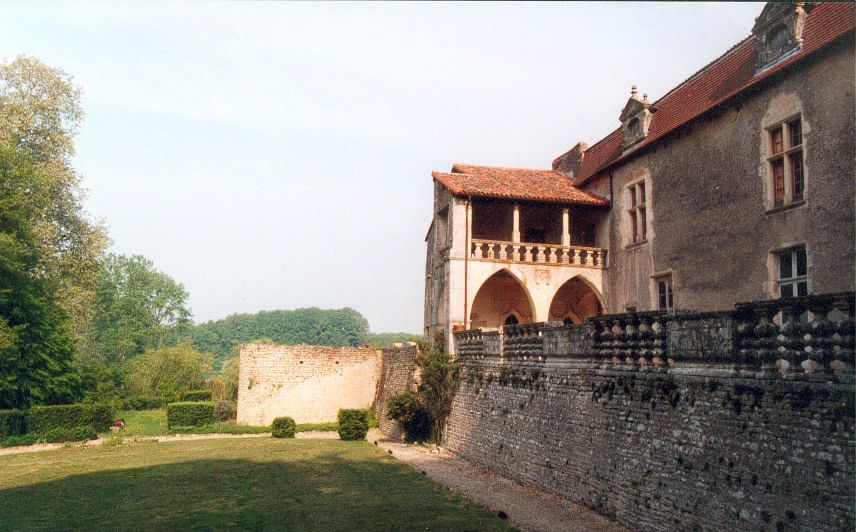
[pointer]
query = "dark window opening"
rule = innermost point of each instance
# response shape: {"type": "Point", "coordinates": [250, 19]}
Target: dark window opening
{"type": "Point", "coordinates": [511, 320]}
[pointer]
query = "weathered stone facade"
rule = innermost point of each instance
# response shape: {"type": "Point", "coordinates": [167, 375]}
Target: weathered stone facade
{"type": "Point", "coordinates": [308, 383]}
{"type": "Point", "coordinates": [722, 421]}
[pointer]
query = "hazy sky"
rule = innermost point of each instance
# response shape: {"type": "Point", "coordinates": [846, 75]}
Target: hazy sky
{"type": "Point", "coordinates": [279, 155]}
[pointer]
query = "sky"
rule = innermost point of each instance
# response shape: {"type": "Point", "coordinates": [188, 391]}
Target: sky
{"type": "Point", "coordinates": [279, 155]}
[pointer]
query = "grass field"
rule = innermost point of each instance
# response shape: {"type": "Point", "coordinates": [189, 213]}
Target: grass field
{"type": "Point", "coordinates": [254, 483]}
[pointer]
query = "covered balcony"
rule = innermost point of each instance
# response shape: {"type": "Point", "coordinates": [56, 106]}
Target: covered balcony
{"type": "Point", "coordinates": [553, 234]}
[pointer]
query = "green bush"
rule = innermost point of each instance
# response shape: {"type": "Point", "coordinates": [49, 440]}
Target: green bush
{"type": "Point", "coordinates": [64, 434]}
{"type": "Point", "coordinates": [195, 395]}
{"type": "Point", "coordinates": [283, 427]}
{"type": "Point", "coordinates": [43, 419]}
{"type": "Point", "coordinates": [353, 424]}
{"type": "Point", "coordinates": [190, 414]}
{"type": "Point", "coordinates": [18, 439]}
{"type": "Point", "coordinates": [12, 423]}
{"type": "Point", "coordinates": [145, 402]}
{"type": "Point", "coordinates": [407, 409]}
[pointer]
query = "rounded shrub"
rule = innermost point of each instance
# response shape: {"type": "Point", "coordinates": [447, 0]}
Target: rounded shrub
{"type": "Point", "coordinates": [353, 424]}
{"type": "Point", "coordinates": [283, 427]}
{"type": "Point", "coordinates": [411, 414]}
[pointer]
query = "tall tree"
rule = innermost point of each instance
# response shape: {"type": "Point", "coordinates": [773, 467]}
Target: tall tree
{"type": "Point", "coordinates": [36, 348]}
{"type": "Point", "coordinates": [40, 113]}
{"type": "Point", "coordinates": [138, 306]}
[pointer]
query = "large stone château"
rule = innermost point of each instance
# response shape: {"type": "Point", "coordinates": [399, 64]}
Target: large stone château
{"type": "Point", "coordinates": [736, 185]}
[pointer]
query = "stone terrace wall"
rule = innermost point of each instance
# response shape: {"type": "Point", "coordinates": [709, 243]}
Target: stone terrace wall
{"type": "Point", "coordinates": [307, 383]}
{"type": "Point", "coordinates": [729, 421]}
{"type": "Point", "coordinates": [398, 372]}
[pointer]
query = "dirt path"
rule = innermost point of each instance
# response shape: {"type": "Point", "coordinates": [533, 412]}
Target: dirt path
{"type": "Point", "coordinates": [527, 507]}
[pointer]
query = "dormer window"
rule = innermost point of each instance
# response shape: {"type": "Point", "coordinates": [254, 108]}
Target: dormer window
{"type": "Point", "coordinates": [635, 127]}
{"type": "Point", "coordinates": [635, 118]}
{"type": "Point", "coordinates": [778, 31]}
{"type": "Point", "coordinates": [778, 39]}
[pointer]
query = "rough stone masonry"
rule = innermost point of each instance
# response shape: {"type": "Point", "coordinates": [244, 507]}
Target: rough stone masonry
{"type": "Point", "coordinates": [719, 421]}
{"type": "Point", "coordinates": [311, 383]}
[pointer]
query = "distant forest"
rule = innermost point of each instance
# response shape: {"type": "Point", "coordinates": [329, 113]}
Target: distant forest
{"type": "Point", "coordinates": [313, 326]}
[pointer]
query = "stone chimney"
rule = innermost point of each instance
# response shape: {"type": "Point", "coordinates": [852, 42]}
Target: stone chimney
{"type": "Point", "coordinates": [569, 163]}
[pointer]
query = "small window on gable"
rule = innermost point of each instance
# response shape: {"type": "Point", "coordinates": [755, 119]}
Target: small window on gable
{"type": "Point", "coordinates": [786, 163]}
{"type": "Point", "coordinates": [511, 320]}
{"type": "Point", "coordinates": [792, 273]}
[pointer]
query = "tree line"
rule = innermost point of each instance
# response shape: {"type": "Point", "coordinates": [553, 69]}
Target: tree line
{"type": "Point", "coordinates": [78, 323]}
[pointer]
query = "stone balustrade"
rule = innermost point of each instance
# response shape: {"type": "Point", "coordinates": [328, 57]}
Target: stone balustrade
{"type": "Point", "coordinates": [811, 335]}
{"type": "Point", "coordinates": [538, 253]}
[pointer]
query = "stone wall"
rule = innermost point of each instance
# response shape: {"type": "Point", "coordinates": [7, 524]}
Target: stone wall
{"type": "Point", "coordinates": [307, 383]}
{"type": "Point", "coordinates": [731, 420]}
{"type": "Point", "coordinates": [398, 372]}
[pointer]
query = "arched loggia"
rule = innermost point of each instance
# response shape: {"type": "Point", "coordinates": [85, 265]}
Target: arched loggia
{"type": "Point", "coordinates": [575, 301]}
{"type": "Point", "coordinates": [501, 300]}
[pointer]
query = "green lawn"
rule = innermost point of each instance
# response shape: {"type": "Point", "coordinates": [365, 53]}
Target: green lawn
{"type": "Point", "coordinates": [254, 483]}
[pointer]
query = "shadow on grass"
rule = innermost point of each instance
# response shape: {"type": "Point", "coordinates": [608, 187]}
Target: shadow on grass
{"type": "Point", "coordinates": [324, 492]}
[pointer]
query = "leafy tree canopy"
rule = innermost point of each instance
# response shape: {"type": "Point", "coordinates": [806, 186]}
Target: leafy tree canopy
{"type": "Point", "coordinates": [40, 113]}
{"type": "Point", "coordinates": [313, 326]}
{"type": "Point", "coordinates": [168, 371]}
{"type": "Point", "coordinates": [138, 307]}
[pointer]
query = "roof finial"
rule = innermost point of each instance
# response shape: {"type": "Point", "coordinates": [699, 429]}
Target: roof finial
{"type": "Point", "coordinates": [645, 97]}
{"type": "Point", "coordinates": [633, 91]}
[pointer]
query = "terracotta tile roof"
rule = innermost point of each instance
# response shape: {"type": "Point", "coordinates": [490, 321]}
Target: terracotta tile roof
{"type": "Point", "coordinates": [722, 79]}
{"type": "Point", "coordinates": [514, 183]}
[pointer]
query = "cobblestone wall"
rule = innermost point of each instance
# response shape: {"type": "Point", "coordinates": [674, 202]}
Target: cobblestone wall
{"type": "Point", "coordinates": [307, 383]}
{"type": "Point", "coordinates": [695, 421]}
{"type": "Point", "coordinates": [398, 372]}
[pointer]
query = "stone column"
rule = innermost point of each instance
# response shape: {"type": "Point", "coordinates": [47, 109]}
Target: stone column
{"type": "Point", "coordinates": [515, 233]}
{"type": "Point", "coordinates": [566, 226]}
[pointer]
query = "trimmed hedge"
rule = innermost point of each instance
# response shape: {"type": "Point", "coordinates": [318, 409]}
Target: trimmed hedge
{"type": "Point", "coordinates": [44, 419]}
{"type": "Point", "coordinates": [190, 414]}
{"type": "Point", "coordinates": [64, 434]}
{"type": "Point", "coordinates": [353, 424]}
{"type": "Point", "coordinates": [283, 427]}
{"type": "Point", "coordinates": [195, 395]}
{"type": "Point", "coordinates": [18, 440]}
{"type": "Point", "coordinates": [12, 423]}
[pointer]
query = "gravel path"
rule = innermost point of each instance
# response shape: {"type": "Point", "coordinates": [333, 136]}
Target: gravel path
{"type": "Point", "coordinates": [326, 435]}
{"type": "Point", "coordinates": [527, 507]}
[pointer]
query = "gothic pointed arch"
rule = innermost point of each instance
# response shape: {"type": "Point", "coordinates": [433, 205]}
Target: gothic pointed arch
{"type": "Point", "coordinates": [575, 301]}
{"type": "Point", "coordinates": [501, 300]}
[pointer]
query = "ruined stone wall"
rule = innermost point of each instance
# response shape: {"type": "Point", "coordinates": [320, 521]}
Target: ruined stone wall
{"type": "Point", "coordinates": [398, 372]}
{"type": "Point", "coordinates": [691, 422]}
{"type": "Point", "coordinates": [304, 382]}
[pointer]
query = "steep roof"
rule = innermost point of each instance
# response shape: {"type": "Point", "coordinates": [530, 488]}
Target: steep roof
{"type": "Point", "coordinates": [515, 183]}
{"type": "Point", "coordinates": [720, 80]}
